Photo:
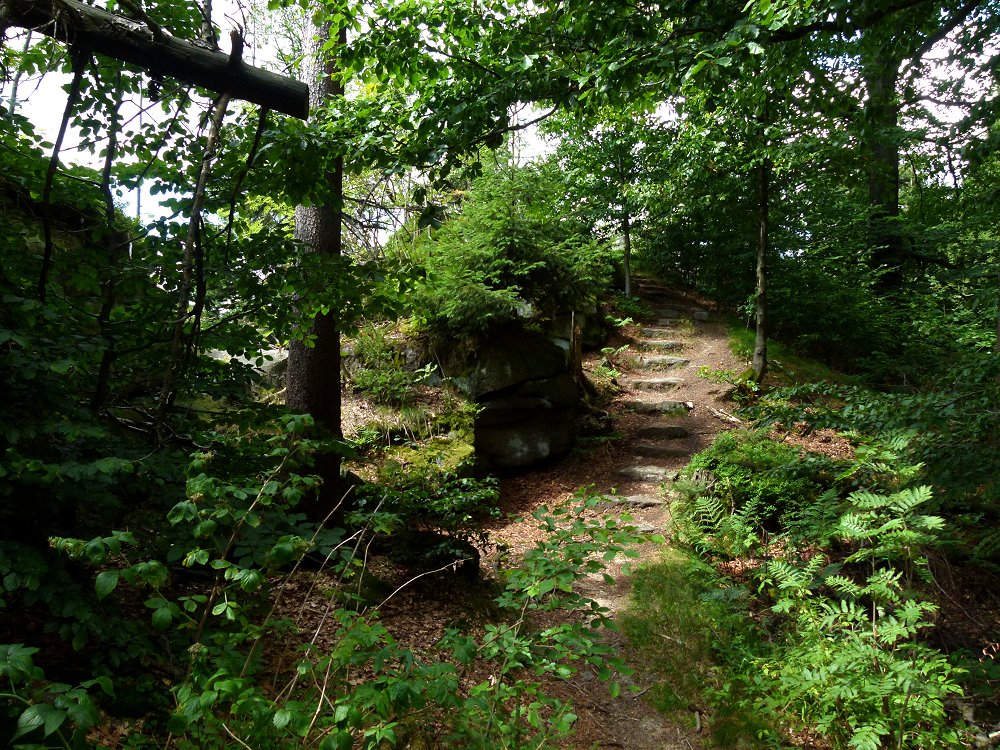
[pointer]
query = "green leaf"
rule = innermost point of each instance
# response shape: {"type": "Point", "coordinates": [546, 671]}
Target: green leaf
{"type": "Point", "coordinates": [15, 660]}
{"type": "Point", "coordinates": [39, 715]}
{"type": "Point", "coordinates": [162, 618]}
{"type": "Point", "coordinates": [338, 741]}
{"type": "Point", "coordinates": [205, 529]}
{"type": "Point", "coordinates": [106, 582]}
{"type": "Point", "coordinates": [281, 718]}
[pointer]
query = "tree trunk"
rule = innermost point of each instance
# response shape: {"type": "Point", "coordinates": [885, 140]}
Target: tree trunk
{"type": "Point", "coordinates": [763, 209]}
{"type": "Point", "coordinates": [627, 239]}
{"type": "Point", "coordinates": [312, 382]}
{"type": "Point", "coordinates": [881, 147]}
{"type": "Point", "coordinates": [996, 341]}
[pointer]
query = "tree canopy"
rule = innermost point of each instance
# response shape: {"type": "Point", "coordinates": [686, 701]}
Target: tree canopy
{"type": "Point", "coordinates": [172, 223]}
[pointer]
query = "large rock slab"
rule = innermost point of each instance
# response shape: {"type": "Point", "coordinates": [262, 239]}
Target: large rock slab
{"type": "Point", "coordinates": [661, 361]}
{"type": "Point", "coordinates": [509, 359]}
{"type": "Point", "coordinates": [660, 407]}
{"type": "Point", "coordinates": [527, 401]}
{"type": "Point", "coordinates": [650, 450]}
{"type": "Point", "coordinates": [663, 432]}
{"type": "Point", "coordinates": [516, 439]}
{"type": "Point", "coordinates": [658, 345]}
{"type": "Point", "coordinates": [526, 424]}
{"type": "Point", "coordinates": [668, 313]}
{"type": "Point", "coordinates": [658, 331]}
{"type": "Point", "coordinates": [650, 287]}
{"type": "Point", "coordinates": [647, 473]}
{"type": "Point", "coordinates": [657, 384]}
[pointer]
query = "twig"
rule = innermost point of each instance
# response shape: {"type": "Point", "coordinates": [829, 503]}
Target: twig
{"type": "Point", "coordinates": [230, 733]}
{"type": "Point", "coordinates": [725, 416]}
{"type": "Point", "coordinates": [247, 166]}
{"type": "Point", "coordinates": [452, 565]}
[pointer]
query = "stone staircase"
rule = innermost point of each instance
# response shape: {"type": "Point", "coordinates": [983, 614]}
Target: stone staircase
{"type": "Point", "coordinates": [662, 440]}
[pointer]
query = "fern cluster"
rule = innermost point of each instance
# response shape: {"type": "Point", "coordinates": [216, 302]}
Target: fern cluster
{"type": "Point", "coordinates": [842, 649]}
{"type": "Point", "coordinates": [744, 488]}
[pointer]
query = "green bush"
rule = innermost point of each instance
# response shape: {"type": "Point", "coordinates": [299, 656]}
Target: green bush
{"type": "Point", "coordinates": [852, 664]}
{"type": "Point", "coordinates": [379, 370]}
{"type": "Point", "coordinates": [743, 487]}
{"type": "Point", "coordinates": [507, 256]}
{"type": "Point", "coordinates": [841, 651]}
{"type": "Point", "coordinates": [949, 427]}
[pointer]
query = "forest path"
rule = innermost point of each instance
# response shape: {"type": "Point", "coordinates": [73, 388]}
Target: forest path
{"type": "Point", "coordinates": [664, 414]}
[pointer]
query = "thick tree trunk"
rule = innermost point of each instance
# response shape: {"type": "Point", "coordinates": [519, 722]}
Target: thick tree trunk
{"type": "Point", "coordinates": [96, 30]}
{"type": "Point", "coordinates": [763, 211]}
{"type": "Point", "coordinates": [313, 378]}
{"type": "Point", "coordinates": [881, 146]}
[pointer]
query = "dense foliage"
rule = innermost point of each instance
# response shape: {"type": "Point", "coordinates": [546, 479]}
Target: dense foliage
{"type": "Point", "coordinates": [154, 496]}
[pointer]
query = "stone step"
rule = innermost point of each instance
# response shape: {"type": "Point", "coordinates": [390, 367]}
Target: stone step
{"type": "Point", "coordinates": [656, 332]}
{"type": "Point", "coordinates": [657, 384]}
{"type": "Point", "coordinates": [660, 407]}
{"type": "Point", "coordinates": [650, 450]}
{"type": "Point", "coordinates": [668, 321]}
{"type": "Point", "coordinates": [669, 313]}
{"type": "Point", "coordinates": [647, 473]}
{"type": "Point", "coordinates": [701, 315]}
{"type": "Point", "coordinates": [638, 501]}
{"type": "Point", "coordinates": [658, 345]}
{"type": "Point", "coordinates": [651, 287]}
{"type": "Point", "coordinates": [663, 432]}
{"type": "Point", "coordinates": [661, 361]}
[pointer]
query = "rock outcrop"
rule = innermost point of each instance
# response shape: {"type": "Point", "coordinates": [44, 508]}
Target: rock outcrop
{"type": "Point", "coordinates": [527, 400]}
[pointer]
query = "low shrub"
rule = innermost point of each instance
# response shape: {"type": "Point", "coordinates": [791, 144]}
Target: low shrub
{"type": "Point", "coordinates": [743, 488]}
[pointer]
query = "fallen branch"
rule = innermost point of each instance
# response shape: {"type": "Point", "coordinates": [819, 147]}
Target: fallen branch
{"type": "Point", "coordinates": [725, 416]}
{"type": "Point", "coordinates": [86, 27]}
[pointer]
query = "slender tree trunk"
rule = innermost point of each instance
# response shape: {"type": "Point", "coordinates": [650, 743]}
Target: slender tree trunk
{"type": "Point", "coordinates": [116, 243]}
{"type": "Point", "coordinates": [312, 383]}
{"type": "Point", "coordinates": [763, 209]}
{"type": "Point", "coordinates": [881, 146]}
{"type": "Point", "coordinates": [996, 341]}
{"type": "Point", "coordinates": [188, 320]}
{"type": "Point", "coordinates": [5, 13]}
{"type": "Point", "coordinates": [80, 62]}
{"type": "Point", "coordinates": [627, 239]}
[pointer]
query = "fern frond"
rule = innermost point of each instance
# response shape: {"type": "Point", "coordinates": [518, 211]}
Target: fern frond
{"type": "Point", "coordinates": [844, 585]}
{"type": "Point", "coordinates": [864, 500]}
{"type": "Point", "coordinates": [904, 501]}
{"type": "Point", "coordinates": [989, 545]}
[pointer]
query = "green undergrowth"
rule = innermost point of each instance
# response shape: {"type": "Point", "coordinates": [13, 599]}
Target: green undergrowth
{"type": "Point", "coordinates": [799, 605]}
{"type": "Point", "coordinates": [785, 366]}
{"type": "Point", "coordinates": [802, 592]}
{"type": "Point", "coordinates": [377, 366]}
{"type": "Point", "coordinates": [683, 623]}
{"type": "Point", "coordinates": [176, 638]}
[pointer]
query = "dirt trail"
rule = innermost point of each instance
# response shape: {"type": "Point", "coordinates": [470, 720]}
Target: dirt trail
{"type": "Point", "coordinates": [665, 413]}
